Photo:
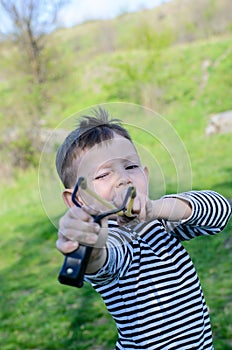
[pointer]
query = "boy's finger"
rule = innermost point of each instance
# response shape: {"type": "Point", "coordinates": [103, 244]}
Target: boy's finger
{"type": "Point", "coordinates": [136, 207]}
{"type": "Point", "coordinates": [78, 226]}
{"type": "Point", "coordinates": [85, 238]}
{"type": "Point", "coordinates": [81, 214]}
{"type": "Point", "coordinates": [91, 211]}
{"type": "Point", "coordinates": [66, 246]}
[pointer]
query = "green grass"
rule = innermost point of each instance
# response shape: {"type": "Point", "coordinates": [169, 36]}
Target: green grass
{"type": "Point", "coordinates": [212, 257]}
{"type": "Point", "coordinates": [38, 313]}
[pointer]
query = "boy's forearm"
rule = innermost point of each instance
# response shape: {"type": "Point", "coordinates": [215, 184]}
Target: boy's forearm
{"type": "Point", "coordinates": [172, 209]}
{"type": "Point", "coordinates": [97, 260]}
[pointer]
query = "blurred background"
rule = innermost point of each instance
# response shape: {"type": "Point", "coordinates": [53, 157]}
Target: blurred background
{"type": "Point", "coordinates": [58, 58]}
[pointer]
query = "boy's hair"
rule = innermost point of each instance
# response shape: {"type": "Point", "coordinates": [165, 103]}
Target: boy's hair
{"type": "Point", "coordinates": [90, 131]}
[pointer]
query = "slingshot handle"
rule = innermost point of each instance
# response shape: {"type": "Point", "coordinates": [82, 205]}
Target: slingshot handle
{"type": "Point", "coordinates": [74, 266]}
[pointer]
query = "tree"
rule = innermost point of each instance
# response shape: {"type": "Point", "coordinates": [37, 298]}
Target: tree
{"type": "Point", "coordinates": [30, 23]}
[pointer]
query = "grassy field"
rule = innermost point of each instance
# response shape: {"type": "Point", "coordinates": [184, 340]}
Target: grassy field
{"type": "Point", "coordinates": [186, 84]}
{"type": "Point", "coordinates": [38, 313]}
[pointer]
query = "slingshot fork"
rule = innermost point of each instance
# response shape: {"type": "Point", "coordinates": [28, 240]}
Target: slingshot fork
{"type": "Point", "coordinates": [75, 263]}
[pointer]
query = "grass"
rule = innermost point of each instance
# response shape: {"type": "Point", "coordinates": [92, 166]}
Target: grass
{"type": "Point", "coordinates": [38, 313]}
{"type": "Point", "coordinates": [212, 258]}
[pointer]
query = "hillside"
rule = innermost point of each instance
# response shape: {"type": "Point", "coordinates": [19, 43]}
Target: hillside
{"type": "Point", "coordinates": [149, 58]}
{"type": "Point", "coordinates": [175, 60]}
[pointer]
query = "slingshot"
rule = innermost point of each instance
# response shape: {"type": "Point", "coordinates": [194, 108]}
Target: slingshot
{"type": "Point", "coordinates": [75, 263]}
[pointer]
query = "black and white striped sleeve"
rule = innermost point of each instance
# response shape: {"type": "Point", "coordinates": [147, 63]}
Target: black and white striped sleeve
{"type": "Point", "coordinates": [210, 214]}
{"type": "Point", "coordinates": [119, 256]}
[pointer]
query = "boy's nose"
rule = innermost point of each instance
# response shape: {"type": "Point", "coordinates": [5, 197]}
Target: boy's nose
{"type": "Point", "coordinates": [123, 179]}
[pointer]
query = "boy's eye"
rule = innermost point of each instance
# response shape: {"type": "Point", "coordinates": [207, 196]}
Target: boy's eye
{"type": "Point", "coordinates": [101, 176]}
{"type": "Point", "coordinates": [132, 166]}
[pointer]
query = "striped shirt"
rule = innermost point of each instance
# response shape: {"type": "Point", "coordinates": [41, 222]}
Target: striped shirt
{"type": "Point", "coordinates": [149, 283]}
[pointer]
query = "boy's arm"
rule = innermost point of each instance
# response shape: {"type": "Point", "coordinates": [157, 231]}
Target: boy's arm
{"type": "Point", "coordinates": [97, 260]}
{"type": "Point", "coordinates": [99, 253]}
{"type": "Point", "coordinates": [171, 208]}
{"type": "Point", "coordinates": [210, 213]}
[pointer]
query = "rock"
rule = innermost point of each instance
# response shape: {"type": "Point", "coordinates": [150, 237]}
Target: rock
{"type": "Point", "coordinates": [220, 123]}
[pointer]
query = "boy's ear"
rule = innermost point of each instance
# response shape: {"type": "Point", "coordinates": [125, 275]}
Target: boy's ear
{"type": "Point", "coordinates": [67, 197]}
{"type": "Point", "coordinates": [146, 171]}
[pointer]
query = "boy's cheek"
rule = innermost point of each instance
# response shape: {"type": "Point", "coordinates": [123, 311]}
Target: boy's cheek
{"type": "Point", "coordinates": [104, 193]}
{"type": "Point", "coordinates": [104, 190]}
{"type": "Point", "coordinates": [142, 187]}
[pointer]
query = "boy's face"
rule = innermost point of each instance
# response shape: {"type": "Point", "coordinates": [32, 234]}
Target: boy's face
{"type": "Point", "coordinates": [111, 167]}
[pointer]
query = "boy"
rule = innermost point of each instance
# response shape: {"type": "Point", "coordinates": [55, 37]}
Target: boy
{"type": "Point", "coordinates": [139, 267]}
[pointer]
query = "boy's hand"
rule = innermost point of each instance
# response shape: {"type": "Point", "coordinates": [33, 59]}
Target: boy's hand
{"type": "Point", "coordinates": [76, 227]}
{"type": "Point", "coordinates": [142, 207]}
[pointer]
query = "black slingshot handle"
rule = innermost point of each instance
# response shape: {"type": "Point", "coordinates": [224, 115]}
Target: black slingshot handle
{"type": "Point", "coordinates": [74, 266]}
